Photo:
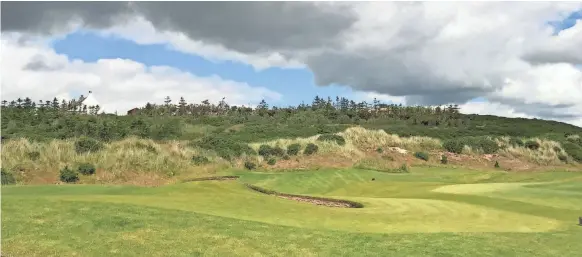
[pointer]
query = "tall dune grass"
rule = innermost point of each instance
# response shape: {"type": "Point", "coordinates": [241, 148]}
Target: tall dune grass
{"type": "Point", "coordinates": [545, 154]}
{"type": "Point", "coordinates": [131, 155]}
{"type": "Point", "coordinates": [365, 138]}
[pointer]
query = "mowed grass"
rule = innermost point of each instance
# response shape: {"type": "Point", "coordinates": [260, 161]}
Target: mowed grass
{"type": "Point", "coordinates": [427, 212]}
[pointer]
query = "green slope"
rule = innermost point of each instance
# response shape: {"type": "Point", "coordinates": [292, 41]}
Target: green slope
{"type": "Point", "coordinates": [428, 212]}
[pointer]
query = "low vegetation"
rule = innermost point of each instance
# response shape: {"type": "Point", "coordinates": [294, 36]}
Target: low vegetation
{"type": "Point", "coordinates": [86, 169]}
{"type": "Point", "coordinates": [68, 175]}
{"type": "Point", "coordinates": [7, 177]}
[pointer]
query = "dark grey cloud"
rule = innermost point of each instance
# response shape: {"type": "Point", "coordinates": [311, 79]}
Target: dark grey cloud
{"type": "Point", "coordinates": [242, 26]}
{"type": "Point", "coordinates": [538, 109]}
{"type": "Point", "coordinates": [391, 74]}
{"type": "Point", "coordinates": [252, 26]}
{"type": "Point", "coordinates": [559, 56]}
{"type": "Point", "coordinates": [40, 65]}
{"type": "Point", "coordinates": [44, 17]}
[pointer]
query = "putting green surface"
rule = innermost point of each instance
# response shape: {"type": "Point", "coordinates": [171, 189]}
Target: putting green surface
{"type": "Point", "coordinates": [428, 212]}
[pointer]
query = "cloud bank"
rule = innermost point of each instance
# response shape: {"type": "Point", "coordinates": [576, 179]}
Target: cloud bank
{"type": "Point", "coordinates": [424, 52]}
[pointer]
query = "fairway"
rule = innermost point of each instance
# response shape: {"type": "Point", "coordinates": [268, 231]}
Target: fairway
{"type": "Point", "coordinates": [427, 212]}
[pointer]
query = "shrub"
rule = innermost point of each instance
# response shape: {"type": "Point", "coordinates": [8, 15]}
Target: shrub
{"type": "Point", "coordinates": [533, 145]}
{"type": "Point", "coordinates": [86, 169]}
{"type": "Point", "coordinates": [573, 150]}
{"type": "Point", "coordinates": [277, 151]}
{"type": "Point", "coordinates": [286, 157]}
{"type": "Point", "coordinates": [68, 176]}
{"type": "Point", "coordinates": [332, 137]}
{"type": "Point", "coordinates": [224, 147]}
{"type": "Point", "coordinates": [293, 149]}
{"type": "Point", "coordinates": [488, 145]}
{"type": "Point", "coordinates": [264, 150]}
{"type": "Point", "coordinates": [250, 165]}
{"type": "Point", "coordinates": [403, 168]}
{"type": "Point", "coordinates": [379, 150]}
{"type": "Point", "coordinates": [444, 159]}
{"type": "Point", "coordinates": [563, 158]}
{"type": "Point", "coordinates": [454, 146]}
{"type": "Point", "coordinates": [496, 165]}
{"type": "Point", "coordinates": [85, 145]}
{"type": "Point", "coordinates": [557, 149]}
{"type": "Point", "coordinates": [421, 155]}
{"type": "Point", "coordinates": [34, 155]}
{"type": "Point", "coordinates": [272, 161]}
{"type": "Point", "coordinates": [7, 177]}
{"type": "Point", "coordinates": [310, 149]}
{"type": "Point", "coordinates": [516, 142]}
{"type": "Point", "coordinates": [200, 160]}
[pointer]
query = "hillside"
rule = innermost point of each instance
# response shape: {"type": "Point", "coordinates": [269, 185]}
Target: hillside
{"type": "Point", "coordinates": [161, 143]}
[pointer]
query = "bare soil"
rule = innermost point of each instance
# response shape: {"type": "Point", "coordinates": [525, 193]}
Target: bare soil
{"type": "Point", "coordinates": [315, 201]}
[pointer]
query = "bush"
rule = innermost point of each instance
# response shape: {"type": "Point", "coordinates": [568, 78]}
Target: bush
{"type": "Point", "coordinates": [272, 161]}
{"type": "Point", "coordinates": [533, 145]}
{"type": "Point", "coordinates": [293, 149]}
{"type": "Point", "coordinates": [444, 159]}
{"type": "Point", "coordinates": [200, 160]}
{"type": "Point", "coordinates": [250, 165]}
{"type": "Point", "coordinates": [310, 149]}
{"type": "Point", "coordinates": [516, 142]}
{"type": "Point", "coordinates": [68, 176]}
{"type": "Point", "coordinates": [277, 151]}
{"type": "Point", "coordinates": [286, 157]}
{"type": "Point", "coordinates": [86, 169]}
{"type": "Point", "coordinates": [421, 155]}
{"type": "Point", "coordinates": [488, 146]}
{"type": "Point", "coordinates": [34, 155]}
{"type": "Point", "coordinates": [454, 146]}
{"type": "Point", "coordinates": [573, 150]}
{"type": "Point", "coordinates": [403, 168]}
{"type": "Point", "coordinates": [224, 147]}
{"type": "Point", "coordinates": [496, 165]}
{"type": "Point", "coordinates": [332, 137]}
{"type": "Point", "coordinates": [563, 158]}
{"type": "Point", "coordinates": [7, 177]}
{"type": "Point", "coordinates": [85, 145]}
{"type": "Point", "coordinates": [379, 150]}
{"type": "Point", "coordinates": [557, 149]}
{"type": "Point", "coordinates": [264, 150]}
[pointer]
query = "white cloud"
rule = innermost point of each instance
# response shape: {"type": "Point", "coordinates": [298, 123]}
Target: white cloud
{"type": "Point", "coordinates": [117, 84]}
{"type": "Point", "coordinates": [387, 99]}
{"type": "Point", "coordinates": [499, 109]}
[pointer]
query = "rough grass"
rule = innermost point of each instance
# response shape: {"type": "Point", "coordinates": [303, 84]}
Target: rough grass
{"type": "Point", "coordinates": [368, 139]}
{"type": "Point", "coordinates": [403, 216]}
{"type": "Point", "coordinates": [116, 161]}
{"type": "Point", "coordinates": [150, 162]}
{"type": "Point", "coordinates": [544, 155]}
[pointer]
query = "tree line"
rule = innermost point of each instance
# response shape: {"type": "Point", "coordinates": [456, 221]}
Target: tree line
{"type": "Point", "coordinates": [182, 120]}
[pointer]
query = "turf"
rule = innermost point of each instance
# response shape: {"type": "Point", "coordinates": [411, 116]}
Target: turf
{"type": "Point", "coordinates": [427, 212]}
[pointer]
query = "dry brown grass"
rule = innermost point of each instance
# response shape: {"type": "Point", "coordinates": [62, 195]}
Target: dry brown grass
{"type": "Point", "coordinates": [371, 139]}
{"type": "Point", "coordinates": [545, 155]}
{"type": "Point", "coordinates": [131, 159]}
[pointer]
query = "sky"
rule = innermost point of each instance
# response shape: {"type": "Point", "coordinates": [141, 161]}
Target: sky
{"type": "Point", "coordinates": [513, 59]}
